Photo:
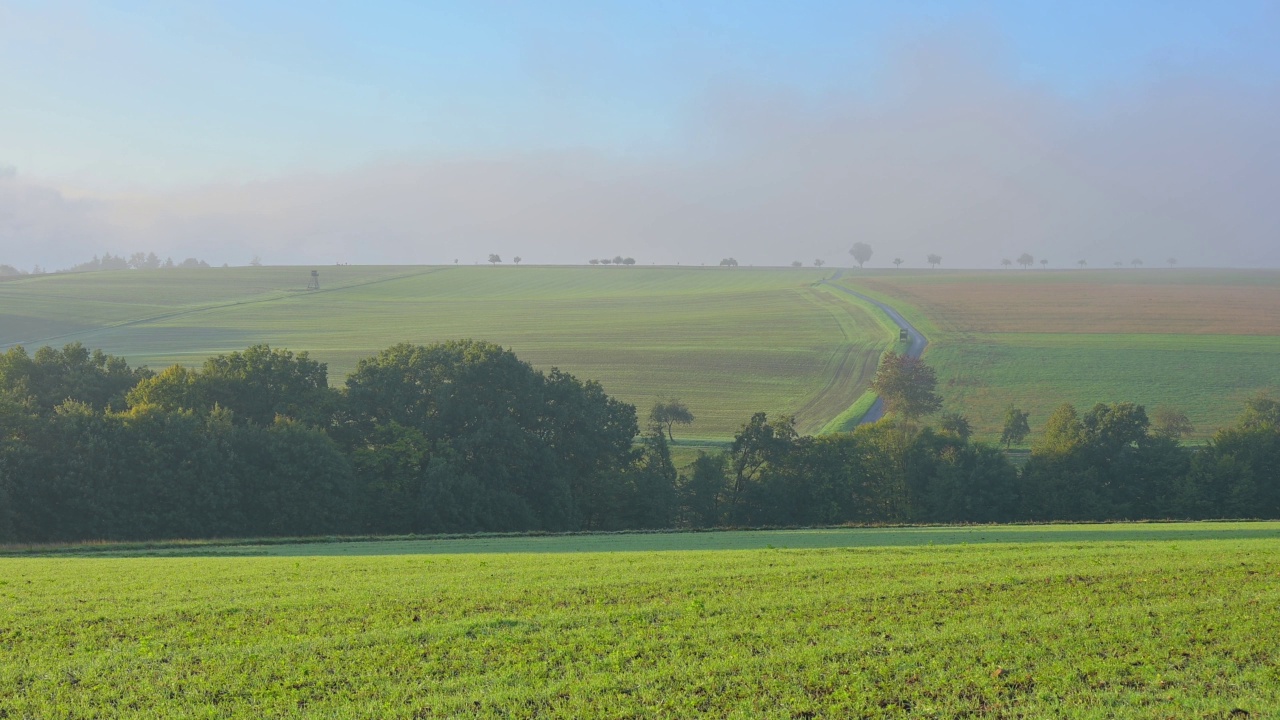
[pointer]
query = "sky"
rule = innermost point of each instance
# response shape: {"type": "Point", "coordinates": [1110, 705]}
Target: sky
{"type": "Point", "coordinates": [409, 132]}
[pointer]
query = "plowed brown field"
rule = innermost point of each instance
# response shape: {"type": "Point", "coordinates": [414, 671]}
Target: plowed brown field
{"type": "Point", "coordinates": [1108, 301]}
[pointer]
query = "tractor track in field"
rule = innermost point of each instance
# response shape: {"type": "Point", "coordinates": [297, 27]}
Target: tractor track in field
{"type": "Point", "coordinates": [280, 295]}
{"type": "Point", "coordinates": [847, 354]}
{"type": "Point", "coordinates": [918, 342]}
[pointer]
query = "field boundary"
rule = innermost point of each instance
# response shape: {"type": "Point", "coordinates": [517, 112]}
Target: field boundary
{"type": "Point", "coordinates": [125, 547]}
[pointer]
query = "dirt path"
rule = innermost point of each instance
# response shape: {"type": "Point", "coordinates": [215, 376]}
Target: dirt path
{"type": "Point", "coordinates": [917, 339]}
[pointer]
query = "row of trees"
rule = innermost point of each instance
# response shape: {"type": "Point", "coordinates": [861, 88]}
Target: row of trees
{"type": "Point", "coordinates": [455, 437]}
{"type": "Point", "coordinates": [1102, 464]}
{"type": "Point", "coordinates": [136, 261]}
{"type": "Point", "coordinates": [862, 252]}
{"type": "Point", "coordinates": [615, 260]}
{"type": "Point", "coordinates": [465, 437]}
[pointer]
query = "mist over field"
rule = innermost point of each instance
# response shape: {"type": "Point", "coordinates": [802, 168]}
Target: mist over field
{"type": "Point", "coordinates": [947, 147]}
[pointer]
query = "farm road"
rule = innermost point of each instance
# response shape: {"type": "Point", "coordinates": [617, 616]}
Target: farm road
{"type": "Point", "coordinates": [918, 341]}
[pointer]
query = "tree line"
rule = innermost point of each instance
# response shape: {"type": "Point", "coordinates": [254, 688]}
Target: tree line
{"type": "Point", "coordinates": [463, 436]}
{"type": "Point", "coordinates": [136, 261]}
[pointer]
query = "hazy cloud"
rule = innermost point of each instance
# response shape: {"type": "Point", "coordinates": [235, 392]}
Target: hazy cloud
{"type": "Point", "coordinates": [954, 156]}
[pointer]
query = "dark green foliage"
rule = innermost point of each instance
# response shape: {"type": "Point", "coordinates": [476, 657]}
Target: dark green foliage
{"type": "Point", "coordinates": [955, 425]}
{"type": "Point", "coordinates": [702, 491]}
{"type": "Point", "coordinates": [51, 377]}
{"type": "Point", "coordinates": [1238, 473]}
{"type": "Point", "coordinates": [457, 437]}
{"type": "Point", "coordinates": [1104, 465]}
{"type": "Point", "coordinates": [667, 413]}
{"type": "Point", "coordinates": [258, 385]}
{"type": "Point", "coordinates": [464, 437]}
{"type": "Point", "coordinates": [510, 447]}
{"type": "Point", "coordinates": [1016, 429]}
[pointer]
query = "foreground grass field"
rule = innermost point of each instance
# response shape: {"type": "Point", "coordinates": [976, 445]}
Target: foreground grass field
{"type": "Point", "coordinates": [727, 342]}
{"type": "Point", "coordinates": [1058, 621]}
{"type": "Point", "coordinates": [1202, 341]}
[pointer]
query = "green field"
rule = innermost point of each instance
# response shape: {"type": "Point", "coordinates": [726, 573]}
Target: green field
{"type": "Point", "coordinates": [727, 342]}
{"type": "Point", "coordinates": [1198, 340]}
{"type": "Point", "coordinates": [1050, 621]}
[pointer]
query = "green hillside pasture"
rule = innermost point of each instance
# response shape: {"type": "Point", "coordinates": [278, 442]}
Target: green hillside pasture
{"type": "Point", "coordinates": [1127, 357]}
{"type": "Point", "coordinates": [1104, 626]}
{"type": "Point", "coordinates": [1209, 377]}
{"type": "Point", "coordinates": [59, 308]}
{"type": "Point", "coordinates": [727, 342]}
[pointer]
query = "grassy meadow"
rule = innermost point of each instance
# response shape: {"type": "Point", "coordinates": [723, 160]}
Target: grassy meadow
{"type": "Point", "coordinates": [727, 342]}
{"type": "Point", "coordinates": [1051, 621]}
{"type": "Point", "coordinates": [1202, 341]}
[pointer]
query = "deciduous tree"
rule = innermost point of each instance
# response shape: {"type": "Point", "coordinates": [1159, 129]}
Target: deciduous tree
{"type": "Point", "coordinates": [1016, 428]}
{"type": "Point", "coordinates": [668, 413]}
{"type": "Point", "coordinates": [906, 384]}
{"type": "Point", "coordinates": [861, 252]}
{"type": "Point", "coordinates": [1170, 422]}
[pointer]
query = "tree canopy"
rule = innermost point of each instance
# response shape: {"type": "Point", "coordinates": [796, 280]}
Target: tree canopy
{"type": "Point", "coordinates": [667, 413]}
{"type": "Point", "coordinates": [861, 252]}
{"type": "Point", "coordinates": [906, 384]}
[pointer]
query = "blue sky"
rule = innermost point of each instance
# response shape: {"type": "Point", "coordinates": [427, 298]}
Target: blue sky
{"type": "Point", "coordinates": [150, 94]}
{"type": "Point", "coordinates": [670, 131]}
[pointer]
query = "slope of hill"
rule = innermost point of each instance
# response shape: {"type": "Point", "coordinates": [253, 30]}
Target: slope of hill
{"type": "Point", "coordinates": [727, 342]}
{"type": "Point", "coordinates": [1202, 341]}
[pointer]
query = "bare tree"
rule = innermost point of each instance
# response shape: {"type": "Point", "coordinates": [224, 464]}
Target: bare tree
{"type": "Point", "coordinates": [1081, 263]}
{"type": "Point", "coordinates": [897, 262]}
{"type": "Point", "coordinates": [516, 259]}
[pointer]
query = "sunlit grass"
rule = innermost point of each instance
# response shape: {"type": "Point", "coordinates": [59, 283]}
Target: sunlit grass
{"type": "Point", "coordinates": [1094, 621]}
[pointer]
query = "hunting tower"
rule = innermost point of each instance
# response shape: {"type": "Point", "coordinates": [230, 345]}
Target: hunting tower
{"type": "Point", "coordinates": [315, 280]}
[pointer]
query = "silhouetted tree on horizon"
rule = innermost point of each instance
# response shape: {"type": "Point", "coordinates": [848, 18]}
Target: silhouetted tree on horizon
{"type": "Point", "coordinates": [860, 252]}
